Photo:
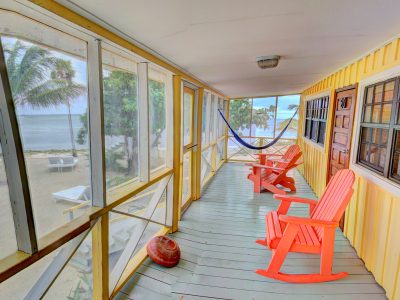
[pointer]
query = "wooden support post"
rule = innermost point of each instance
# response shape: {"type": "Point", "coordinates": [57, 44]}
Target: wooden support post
{"type": "Point", "coordinates": [226, 131]}
{"type": "Point", "coordinates": [197, 151]}
{"type": "Point", "coordinates": [261, 142]}
{"type": "Point", "coordinates": [98, 171]}
{"type": "Point", "coordinates": [214, 158]}
{"type": "Point", "coordinates": [15, 167]}
{"type": "Point", "coordinates": [96, 124]}
{"type": "Point", "coordinates": [100, 258]}
{"type": "Point", "coordinates": [144, 133]}
{"type": "Point", "coordinates": [177, 85]}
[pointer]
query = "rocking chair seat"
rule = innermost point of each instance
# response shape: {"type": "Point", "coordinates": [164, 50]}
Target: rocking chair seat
{"type": "Point", "coordinates": [306, 239]}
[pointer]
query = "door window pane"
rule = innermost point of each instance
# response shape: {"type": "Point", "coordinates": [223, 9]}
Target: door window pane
{"type": "Point", "coordinates": [120, 117]}
{"type": "Point", "coordinates": [49, 89]}
{"type": "Point", "coordinates": [204, 120]}
{"type": "Point", "coordinates": [157, 119]}
{"type": "Point", "coordinates": [186, 179]}
{"type": "Point", "coordinates": [188, 102]}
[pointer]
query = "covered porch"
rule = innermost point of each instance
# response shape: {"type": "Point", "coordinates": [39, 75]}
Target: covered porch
{"type": "Point", "coordinates": [123, 122]}
{"type": "Point", "coordinates": [217, 237]}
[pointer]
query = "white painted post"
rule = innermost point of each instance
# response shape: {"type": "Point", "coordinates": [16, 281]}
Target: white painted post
{"type": "Point", "coordinates": [144, 132]}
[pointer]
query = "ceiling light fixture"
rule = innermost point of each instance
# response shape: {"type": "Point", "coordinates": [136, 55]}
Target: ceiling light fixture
{"type": "Point", "coordinates": [265, 62]}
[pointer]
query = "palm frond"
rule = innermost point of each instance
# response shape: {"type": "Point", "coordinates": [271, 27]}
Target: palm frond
{"type": "Point", "coordinates": [35, 74]}
{"type": "Point", "coordinates": [51, 93]}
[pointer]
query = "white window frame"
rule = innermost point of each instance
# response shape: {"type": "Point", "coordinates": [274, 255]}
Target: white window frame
{"type": "Point", "coordinates": [325, 93]}
{"type": "Point", "coordinates": [372, 176]}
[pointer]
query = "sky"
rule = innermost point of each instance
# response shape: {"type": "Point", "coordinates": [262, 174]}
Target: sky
{"type": "Point", "coordinates": [283, 104]}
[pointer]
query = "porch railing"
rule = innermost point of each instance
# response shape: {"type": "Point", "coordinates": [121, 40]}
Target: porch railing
{"type": "Point", "coordinates": [237, 152]}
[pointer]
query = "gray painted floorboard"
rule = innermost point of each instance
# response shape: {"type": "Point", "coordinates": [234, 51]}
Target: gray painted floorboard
{"type": "Point", "coordinates": [219, 254]}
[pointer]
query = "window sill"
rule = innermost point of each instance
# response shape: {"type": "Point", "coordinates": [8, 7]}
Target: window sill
{"type": "Point", "coordinates": [377, 179]}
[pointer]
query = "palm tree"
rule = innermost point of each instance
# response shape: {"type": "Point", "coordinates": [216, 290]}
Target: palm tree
{"type": "Point", "coordinates": [65, 73]}
{"type": "Point", "coordinates": [39, 79]}
{"type": "Point", "coordinates": [294, 123]}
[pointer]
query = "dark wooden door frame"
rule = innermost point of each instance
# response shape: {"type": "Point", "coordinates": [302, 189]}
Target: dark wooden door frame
{"type": "Point", "coordinates": [332, 115]}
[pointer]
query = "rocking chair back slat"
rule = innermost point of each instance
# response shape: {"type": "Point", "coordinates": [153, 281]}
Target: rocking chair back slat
{"type": "Point", "coordinates": [335, 199]}
{"type": "Point", "coordinates": [292, 151]}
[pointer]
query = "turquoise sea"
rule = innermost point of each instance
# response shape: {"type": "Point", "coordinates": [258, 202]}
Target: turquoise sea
{"type": "Point", "coordinates": [51, 132]}
{"type": "Point", "coordinates": [48, 132]}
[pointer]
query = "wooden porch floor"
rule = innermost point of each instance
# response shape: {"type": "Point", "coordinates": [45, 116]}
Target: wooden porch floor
{"type": "Point", "coordinates": [219, 254]}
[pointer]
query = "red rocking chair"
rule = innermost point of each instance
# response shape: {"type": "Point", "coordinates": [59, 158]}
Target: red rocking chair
{"type": "Point", "coordinates": [272, 171]}
{"type": "Point", "coordinates": [315, 234]}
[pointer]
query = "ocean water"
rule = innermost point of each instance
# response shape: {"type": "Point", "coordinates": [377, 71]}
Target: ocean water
{"type": "Point", "coordinates": [269, 131]}
{"type": "Point", "coordinates": [51, 132]}
{"type": "Point", "coordinates": [48, 132]}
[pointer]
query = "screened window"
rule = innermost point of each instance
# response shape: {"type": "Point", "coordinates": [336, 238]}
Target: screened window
{"type": "Point", "coordinates": [286, 107]}
{"type": "Point", "coordinates": [240, 113]}
{"type": "Point", "coordinates": [315, 121]}
{"type": "Point", "coordinates": [157, 119]}
{"type": "Point", "coordinates": [120, 117]}
{"type": "Point", "coordinates": [49, 89]}
{"type": "Point", "coordinates": [379, 144]}
{"type": "Point", "coordinates": [264, 116]}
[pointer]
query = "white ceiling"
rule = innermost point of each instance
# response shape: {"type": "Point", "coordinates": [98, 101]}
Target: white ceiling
{"type": "Point", "coordinates": [218, 40]}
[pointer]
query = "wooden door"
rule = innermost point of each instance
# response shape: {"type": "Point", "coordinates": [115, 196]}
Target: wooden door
{"type": "Point", "coordinates": [188, 142]}
{"type": "Point", "coordinates": [339, 157]}
{"type": "Point", "coordinates": [341, 130]}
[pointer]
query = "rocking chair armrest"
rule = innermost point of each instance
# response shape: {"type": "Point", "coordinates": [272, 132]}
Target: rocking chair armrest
{"type": "Point", "coordinates": [267, 154]}
{"type": "Point", "coordinates": [298, 163]}
{"type": "Point", "coordinates": [307, 221]}
{"type": "Point", "coordinates": [278, 160]}
{"type": "Point", "coordinates": [264, 167]}
{"type": "Point", "coordinates": [290, 198]}
{"type": "Point", "coordinates": [286, 201]}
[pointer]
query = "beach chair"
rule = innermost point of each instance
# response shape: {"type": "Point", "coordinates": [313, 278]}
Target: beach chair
{"type": "Point", "coordinates": [61, 162]}
{"type": "Point", "coordinates": [77, 194]}
{"type": "Point", "coordinates": [315, 234]}
{"type": "Point", "coordinates": [274, 172]}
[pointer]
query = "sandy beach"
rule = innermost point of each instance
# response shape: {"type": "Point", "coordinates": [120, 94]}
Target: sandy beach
{"type": "Point", "coordinates": [50, 214]}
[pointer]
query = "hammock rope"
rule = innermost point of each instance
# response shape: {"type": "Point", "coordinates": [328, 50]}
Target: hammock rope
{"type": "Point", "coordinates": [250, 146]}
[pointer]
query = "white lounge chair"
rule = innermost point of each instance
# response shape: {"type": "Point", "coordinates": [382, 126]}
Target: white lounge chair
{"type": "Point", "coordinates": [61, 162]}
{"type": "Point", "coordinates": [77, 194]}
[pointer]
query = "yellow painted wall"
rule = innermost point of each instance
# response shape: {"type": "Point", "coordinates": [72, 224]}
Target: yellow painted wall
{"type": "Point", "coordinates": [373, 215]}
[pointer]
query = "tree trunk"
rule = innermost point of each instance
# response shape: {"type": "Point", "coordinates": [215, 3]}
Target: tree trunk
{"type": "Point", "coordinates": [71, 130]}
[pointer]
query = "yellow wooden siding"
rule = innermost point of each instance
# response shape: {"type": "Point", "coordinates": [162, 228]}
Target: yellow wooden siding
{"type": "Point", "coordinates": [373, 215]}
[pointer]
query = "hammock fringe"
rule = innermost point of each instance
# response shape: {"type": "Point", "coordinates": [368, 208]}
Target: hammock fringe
{"type": "Point", "coordinates": [250, 146]}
